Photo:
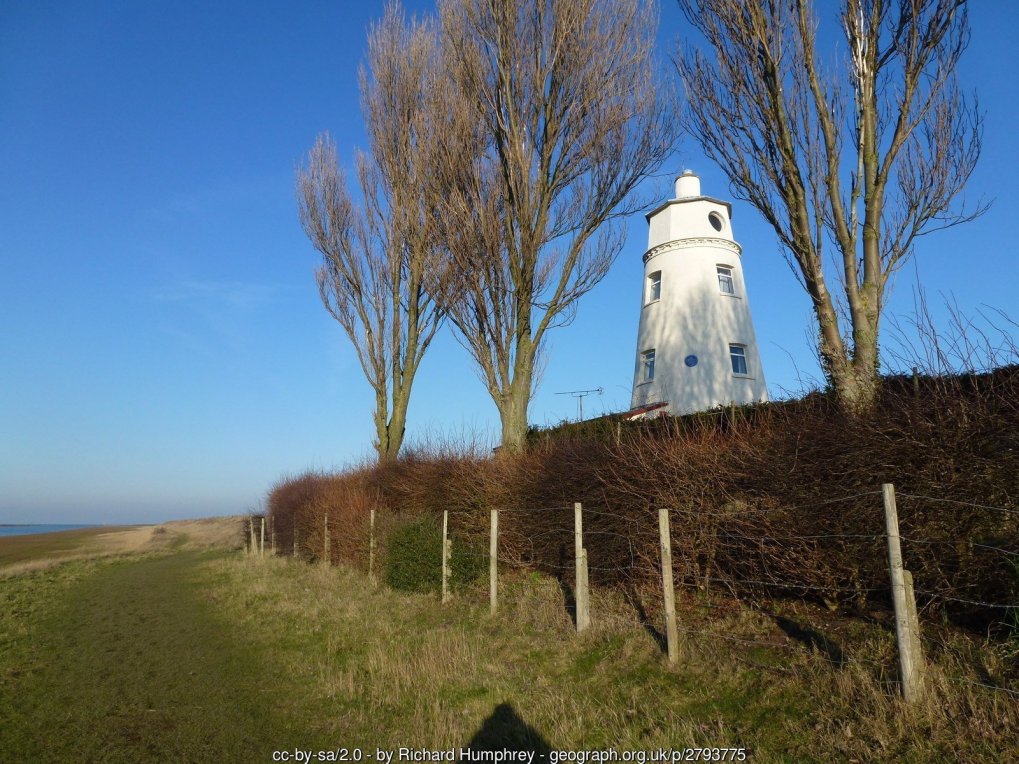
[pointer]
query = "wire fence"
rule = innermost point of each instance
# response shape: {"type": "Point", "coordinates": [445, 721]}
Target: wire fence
{"type": "Point", "coordinates": [957, 565]}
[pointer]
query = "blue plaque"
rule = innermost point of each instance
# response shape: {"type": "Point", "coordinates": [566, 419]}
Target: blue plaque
{"type": "Point", "coordinates": [690, 360]}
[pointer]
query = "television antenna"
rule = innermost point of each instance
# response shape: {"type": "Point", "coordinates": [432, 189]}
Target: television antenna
{"type": "Point", "coordinates": [580, 395]}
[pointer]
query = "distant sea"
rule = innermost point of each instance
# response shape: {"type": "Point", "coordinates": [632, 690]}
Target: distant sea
{"type": "Point", "coordinates": [24, 530]}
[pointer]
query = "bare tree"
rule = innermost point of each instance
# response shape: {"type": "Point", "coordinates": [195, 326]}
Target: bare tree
{"type": "Point", "coordinates": [570, 117]}
{"type": "Point", "coordinates": [864, 154]}
{"type": "Point", "coordinates": [381, 260]}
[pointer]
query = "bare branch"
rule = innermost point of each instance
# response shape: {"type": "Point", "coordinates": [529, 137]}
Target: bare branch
{"type": "Point", "coordinates": [867, 180]}
{"type": "Point", "coordinates": [382, 262]}
{"type": "Point", "coordinates": [571, 117]}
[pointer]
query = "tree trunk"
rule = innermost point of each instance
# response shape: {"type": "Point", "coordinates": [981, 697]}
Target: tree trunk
{"type": "Point", "coordinates": [851, 373]}
{"type": "Point", "coordinates": [855, 381]}
{"type": "Point", "coordinates": [389, 431]}
{"type": "Point", "coordinates": [856, 390]}
{"type": "Point", "coordinates": [514, 425]}
{"type": "Point", "coordinates": [513, 406]}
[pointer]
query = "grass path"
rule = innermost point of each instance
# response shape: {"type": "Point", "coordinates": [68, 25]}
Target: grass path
{"type": "Point", "coordinates": [126, 661]}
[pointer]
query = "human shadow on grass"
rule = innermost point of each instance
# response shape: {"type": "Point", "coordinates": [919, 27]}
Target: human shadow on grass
{"type": "Point", "coordinates": [504, 729]}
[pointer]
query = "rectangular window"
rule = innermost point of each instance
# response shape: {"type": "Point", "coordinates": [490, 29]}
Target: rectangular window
{"type": "Point", "coordinates": [738, 356]}
{"type": "Point", "coordinates": [647, 361]}
{"type": "Point", "coordinates": [654, 286]}
{"type": "Point", "coordinates": [725, 283]}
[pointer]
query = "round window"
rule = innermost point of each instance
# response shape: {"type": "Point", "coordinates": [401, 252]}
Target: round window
{"type": "Point", "coordinates": [716, 221]}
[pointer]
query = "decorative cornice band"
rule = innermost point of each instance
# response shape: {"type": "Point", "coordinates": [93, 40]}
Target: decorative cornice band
{"type": "Point", "coordinates": [706, 241]}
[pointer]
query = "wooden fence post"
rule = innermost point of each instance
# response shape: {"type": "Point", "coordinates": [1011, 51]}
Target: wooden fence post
{"type": "Point", "coordinates": [671, 633]}
{"type": "Point", "coordinates": [251, 535]}
{"type": "Point", "coordinates": [295, 535]}
{"type": "Point", "coordinates": [325, 539]}
{"type": "Point", "coordinates": [261, 543]}
{"type": "Point", "coordinates": [445, 555]}
{"type": "Point", "coordinates": [910, 659]}
{"type": "Point", "coordinates": [371, 544]}
{"type": "Point", "coordinates": [580, 594]}
{"type": "Point", "coordinates": [493, 562]}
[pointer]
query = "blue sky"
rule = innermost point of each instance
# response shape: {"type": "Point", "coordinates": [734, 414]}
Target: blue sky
{"type": "Point", "coordinates": [163, 352]}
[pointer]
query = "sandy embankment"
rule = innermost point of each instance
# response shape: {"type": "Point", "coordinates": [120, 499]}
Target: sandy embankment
{"type": "Point", "coordinates": [208, 533]}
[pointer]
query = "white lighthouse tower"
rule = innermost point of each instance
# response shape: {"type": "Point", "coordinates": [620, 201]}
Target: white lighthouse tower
{"type": "Point", "coordinates": [696, 347]}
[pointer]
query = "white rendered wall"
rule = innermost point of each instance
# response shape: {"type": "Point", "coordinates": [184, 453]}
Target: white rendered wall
{"type": "Point", "coordinates": [694, 317]}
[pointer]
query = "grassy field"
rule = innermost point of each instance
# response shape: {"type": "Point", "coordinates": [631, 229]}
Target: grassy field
{"type": "Point", "coordinates": [183, 651]}
{"type": "Point", "coordinates": [42, 546]}
{"type": "Point", "coordinates": [121, 658]}
{"type": "Point", "coordinates": [390, 669]}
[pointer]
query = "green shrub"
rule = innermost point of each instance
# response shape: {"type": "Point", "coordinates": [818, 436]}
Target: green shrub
{"type": "Point", "coordinates": [414, 558]}
{"type": "Point", "coordinates": [468, 563]}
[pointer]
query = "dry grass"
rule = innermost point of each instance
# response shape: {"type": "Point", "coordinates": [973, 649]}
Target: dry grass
{"type": "Point", "coordinates": [206, 533]}
{"type": "Point", "coordinates": [32, 547]}
{"type": "Point", "coordinates": [389, 669]}
{"type": "Point", "coordinates": [23, 554]}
